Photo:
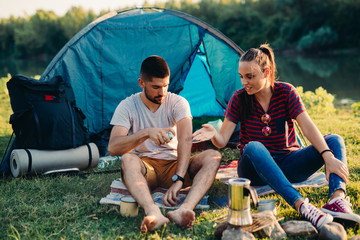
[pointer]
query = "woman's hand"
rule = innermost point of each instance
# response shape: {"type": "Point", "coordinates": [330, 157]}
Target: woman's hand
{"type": "Point", "coordinates": [205, 133]}
{"type": "Point", "coordinates": [333, 165]}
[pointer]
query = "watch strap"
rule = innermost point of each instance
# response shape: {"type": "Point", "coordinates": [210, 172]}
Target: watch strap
{"type": "Point", "coordinates": [179, 178]}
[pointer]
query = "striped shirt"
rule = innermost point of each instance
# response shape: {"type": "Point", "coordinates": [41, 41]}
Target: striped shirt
{"type": "Point", "coordinates": [285, 105]}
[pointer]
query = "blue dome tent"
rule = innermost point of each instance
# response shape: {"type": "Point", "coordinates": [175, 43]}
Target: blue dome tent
{"type": "Point", "coordinates": [102, 61]}
{"type": "Point", "coordinates": [102, 64]}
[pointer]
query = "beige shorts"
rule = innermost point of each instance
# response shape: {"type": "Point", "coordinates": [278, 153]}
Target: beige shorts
{"type": "Point", "coordinates": [159, 172]}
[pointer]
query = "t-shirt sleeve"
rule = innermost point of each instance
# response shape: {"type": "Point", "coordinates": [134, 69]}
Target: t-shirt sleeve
{"type": "Point", "coordinates": [295, 104]}
{"type": "Point", "coordinates": [181, 108]}
{"type": "Point", "coordinates": [121, 115]}
{"type": "Point", "coordinates": [232, 109]}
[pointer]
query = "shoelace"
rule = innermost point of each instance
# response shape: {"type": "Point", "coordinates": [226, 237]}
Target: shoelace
{"type": "Point", "coordinates": [310, 212]}
{"type": "Point", "coordinates": [345, 204]}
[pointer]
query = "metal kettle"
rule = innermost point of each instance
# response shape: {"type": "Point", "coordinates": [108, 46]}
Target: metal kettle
{"type": "Point", "coordinates": [239, 213]}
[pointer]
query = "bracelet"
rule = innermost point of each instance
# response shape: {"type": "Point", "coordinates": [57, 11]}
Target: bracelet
{"type": "Point", "coordinates": [326, 150]}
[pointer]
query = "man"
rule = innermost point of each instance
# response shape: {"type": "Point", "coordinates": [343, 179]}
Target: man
{"type": "Point", "coordinates": [143, 126]}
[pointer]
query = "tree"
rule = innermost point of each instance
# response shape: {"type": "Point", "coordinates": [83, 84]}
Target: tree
{"type": "Point", "coordinates": [75, 19]}
{"type": "Point", "coordinates": [41, 34]}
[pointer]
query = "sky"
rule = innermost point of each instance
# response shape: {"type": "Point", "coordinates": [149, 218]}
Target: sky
{"type": "Point", "coordinates": [21, 8]}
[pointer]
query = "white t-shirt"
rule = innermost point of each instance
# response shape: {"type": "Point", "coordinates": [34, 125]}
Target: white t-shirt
{"type": "Point", "coordinates": [132, 114]}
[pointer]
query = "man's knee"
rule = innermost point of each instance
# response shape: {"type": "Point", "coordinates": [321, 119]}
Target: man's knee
{"type": "Point", "coordinates": [130, 161]}
{"type": "Point", "coordinates": [212, 157]}
{"type": "Point", "coordinates": [213, 154]}
{"type": "Point", "coordinates": [209, 159]}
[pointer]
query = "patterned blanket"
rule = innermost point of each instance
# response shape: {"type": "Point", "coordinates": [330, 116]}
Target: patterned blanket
{"type": "Point", "coordinates": [119, 190]}
{"type": "Point", "coordinates": [229, 171]}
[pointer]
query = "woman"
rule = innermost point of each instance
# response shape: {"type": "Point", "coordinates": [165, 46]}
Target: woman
{"type": "Point", "coordinates": [270, 153]}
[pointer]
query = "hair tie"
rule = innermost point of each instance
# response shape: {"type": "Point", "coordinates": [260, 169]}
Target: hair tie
{"type": "Point", "coordinates": [326, 150]}
{"type": "Point", "coordinates": [265, 50]}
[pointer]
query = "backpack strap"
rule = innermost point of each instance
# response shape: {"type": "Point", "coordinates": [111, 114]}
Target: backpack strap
{"type": "Point", "coordinates": [7, 148]}
{"type": "Point", "coordinates": [37, 123]}
{"type": "Point", "coordinates": [72, 124]}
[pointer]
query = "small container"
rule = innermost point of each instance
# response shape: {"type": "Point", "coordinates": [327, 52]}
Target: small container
{"type": "Point", "coordinates": [267, 205]}
{"type": "Point", "coordinates": [107, 161]}
{"type": "Point", "coordinates": [128, 207]}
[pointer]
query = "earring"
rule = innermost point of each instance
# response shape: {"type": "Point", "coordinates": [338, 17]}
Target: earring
{"type": "Point", "coordinates": [267, 71]}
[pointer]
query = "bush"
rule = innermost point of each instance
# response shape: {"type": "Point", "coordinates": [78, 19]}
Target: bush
{"type": "Point", "coordinates": [319, 102]}
{"type": "Point", "coordinates": [322, 38]}
{"type": "Point", "coordinates": [356, 109]}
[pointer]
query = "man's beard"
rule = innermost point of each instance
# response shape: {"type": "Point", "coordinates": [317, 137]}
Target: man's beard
{"type": "Point", "coordinates": [154, 99]}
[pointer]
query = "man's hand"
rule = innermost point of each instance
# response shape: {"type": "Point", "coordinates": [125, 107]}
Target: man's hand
{"type": "Point", "coordinates": [170, 198]}
{"type": "Point", "coordinates": [160, 135]}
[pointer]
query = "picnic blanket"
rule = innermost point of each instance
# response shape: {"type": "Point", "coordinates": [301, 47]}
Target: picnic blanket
{"type": "Point", "coordinates": [228, 171]}
{"type": "Point", "coordinates": [119, 190]}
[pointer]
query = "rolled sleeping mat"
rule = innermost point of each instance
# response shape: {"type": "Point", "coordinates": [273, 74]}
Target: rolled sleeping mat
{"type": "Point", "coordinates": [32, 161]}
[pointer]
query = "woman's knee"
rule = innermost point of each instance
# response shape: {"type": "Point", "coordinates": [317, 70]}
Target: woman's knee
{"type": "Point", "coordinates": [255, 151]}
{"type": "Point", "coordinates": [337, 145]}
{"type": "Point", "coordinates": [254, 146]}
{"type": "Point", "coordinates": [336, 139]}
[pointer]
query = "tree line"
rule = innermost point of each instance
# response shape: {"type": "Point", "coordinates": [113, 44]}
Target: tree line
{"type": "Point", "coordinates": [302, 25]}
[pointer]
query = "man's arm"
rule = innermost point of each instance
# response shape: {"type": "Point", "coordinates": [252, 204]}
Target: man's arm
{"type": "Point", "coordinates": [184, 135]}
{"type": "Point", "coordinates": [120, 143]}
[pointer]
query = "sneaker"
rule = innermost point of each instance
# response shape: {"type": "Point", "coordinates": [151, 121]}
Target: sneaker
{"type": "Point", "coordinates": [341, 208]}
{"type": "Point", "coordinates": [317, 217]}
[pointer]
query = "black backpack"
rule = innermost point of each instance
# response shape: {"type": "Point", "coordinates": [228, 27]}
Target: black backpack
{"type": "Point", "coordinates": [45, 115]}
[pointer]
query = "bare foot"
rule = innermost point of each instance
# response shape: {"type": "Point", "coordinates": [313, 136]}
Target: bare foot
{"type": "Point", "coordinates": [152, 222]}
{"type": "Point", "coordinates": [182, 217]}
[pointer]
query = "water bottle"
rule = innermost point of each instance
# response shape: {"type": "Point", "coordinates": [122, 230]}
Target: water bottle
{"type": "Point", "coordinates": [107, 161]}
{"type": "Point", "coordinates": [170, 135]}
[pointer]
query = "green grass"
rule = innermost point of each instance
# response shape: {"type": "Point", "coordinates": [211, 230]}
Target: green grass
{"type": "Point", "coordinates": [67, 206]}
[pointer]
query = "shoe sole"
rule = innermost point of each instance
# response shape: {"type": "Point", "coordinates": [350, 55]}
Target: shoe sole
{"type": "Point", "coordinates": [345, 216]}
{"type": "Point", "coordinates": [328, 219]}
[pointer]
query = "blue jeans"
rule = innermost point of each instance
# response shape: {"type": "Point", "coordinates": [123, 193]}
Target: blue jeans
{"type": "Point", "coordinates": [280, 170]}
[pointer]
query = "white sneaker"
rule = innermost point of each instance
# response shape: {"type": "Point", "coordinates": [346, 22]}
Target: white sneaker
{"type": "Point", "coordinates": [317, 217]}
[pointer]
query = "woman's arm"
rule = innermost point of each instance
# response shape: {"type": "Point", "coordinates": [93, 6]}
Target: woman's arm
{"type": "Point", "coordinates": [313, 134]}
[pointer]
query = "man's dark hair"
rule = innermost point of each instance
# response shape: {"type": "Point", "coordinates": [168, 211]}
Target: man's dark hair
{"type": "Point", "coordinates": [154, 66]}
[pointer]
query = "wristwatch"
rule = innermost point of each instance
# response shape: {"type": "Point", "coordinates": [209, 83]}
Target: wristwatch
{"type": "Point", "coordinates": [177, 178]}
